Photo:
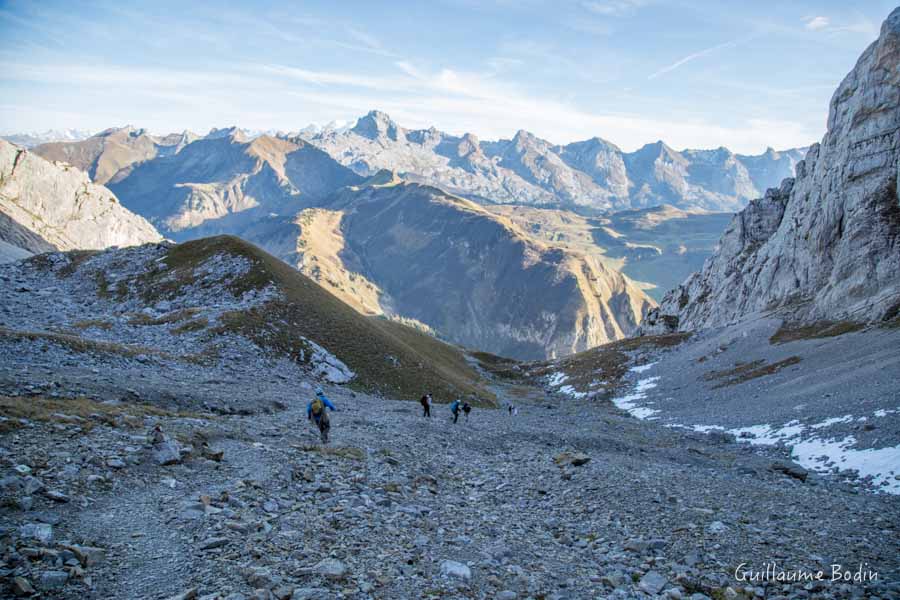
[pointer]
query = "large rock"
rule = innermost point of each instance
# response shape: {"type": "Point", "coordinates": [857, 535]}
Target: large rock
{"type": "Point", "coordinates": [823, 245]}
{"type": "Point", "coordinates": [455, 570]}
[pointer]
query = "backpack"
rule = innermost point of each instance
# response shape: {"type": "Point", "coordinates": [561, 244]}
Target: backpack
{"type": "Point", "coordinates": [317, 407]}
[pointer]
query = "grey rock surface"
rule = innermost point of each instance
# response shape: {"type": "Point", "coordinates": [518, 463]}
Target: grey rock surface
{"type": "Point", "coordinates": [822, 245]}
{"type": "Point", "coordinates": [45, 204]}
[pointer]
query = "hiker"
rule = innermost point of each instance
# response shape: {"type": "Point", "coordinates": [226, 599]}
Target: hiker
{"type": "Point", "coordinates": [315, 411]}
{"type": "Point", "coordinates": [454, 408]}
{"type": "Point", "coordinates": [426, 405]}
{"type": "Point", "coordinates": [510, 407]}
{"type": "Point", "coordinates": [467, 408]}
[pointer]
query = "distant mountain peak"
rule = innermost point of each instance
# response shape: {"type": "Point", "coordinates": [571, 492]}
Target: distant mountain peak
{"type": "Point", "coordinates": [377, 124]}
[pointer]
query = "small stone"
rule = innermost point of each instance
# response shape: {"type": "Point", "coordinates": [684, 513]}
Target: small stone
{"type": "Point", "coordinates": [41, 532]}
{"type": "Point", "coordinates": [653, 582]}
{"type": "Point", "coordinates": [22, 469]}
{"type": "Point", "coordinates": [190, 594]}
{"type": "Point", "coordinates": [507, 595]}
{"type": "Point", "coordinates": [717, 527]}
{"type": "Point", "coordinates": [331, 568]}
{"type": "Point", "coordinates": [115, 463]}
{"type": "Point", "coordinates": [53, 580]}
{"type": "Point", "coordinates": [790, 469]}
{"type": "Point", "coordinates": [211, 543]}
{"type": "Point", "coordinates": [88, 556]}
{"type": "Point", "coordinates": [22, 587]}
{"type": "Point", "coordinates": [167, 453]}
{"type": "Point", "coordinates": [56, 496]}
{"type": "Point", "coordinates": [213, 455]}
{"type": "Point", "coordinates": [457, 570]}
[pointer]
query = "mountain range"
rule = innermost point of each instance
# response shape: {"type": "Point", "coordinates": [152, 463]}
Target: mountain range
{"type": "Point", "coordinates": [589, 176]}
{"type": "Point", "coordinates": [449, 234]}
{"type": "Point", "coordinates": [35, 138]}
{"type": "Point", "coordinates": [592, 175]}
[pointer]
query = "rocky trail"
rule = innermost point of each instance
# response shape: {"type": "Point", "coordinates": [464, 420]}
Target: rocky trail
{"type": "Point", "coordinates": [573, 500]}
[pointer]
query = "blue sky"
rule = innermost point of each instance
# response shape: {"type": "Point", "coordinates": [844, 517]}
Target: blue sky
{"type": "Point", "coordinates": [745, 75]}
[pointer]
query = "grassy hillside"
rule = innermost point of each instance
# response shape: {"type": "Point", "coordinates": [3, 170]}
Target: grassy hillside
{"type": "Point", "coordinates": [388, 357]}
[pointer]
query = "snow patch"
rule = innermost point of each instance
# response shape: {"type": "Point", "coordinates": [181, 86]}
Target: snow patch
{"type": "Point", "coordinates": [568, 390]}
{"type": "Point", "coordinates": [628, 403]}
{"type": "Point", "coordinates": [642, 368]}
{"type": "Point", "coordinates": [882, 464]}
{"type": "Point", "coordinates": [556, 379]}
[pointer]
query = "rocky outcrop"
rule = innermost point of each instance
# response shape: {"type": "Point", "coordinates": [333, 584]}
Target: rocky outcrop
{"type": "Point", "coordinates": [589, 176]}
{"type": "Point", "coordinates": [49, 206]}
{"type": "Point", "coordinates": [414, 252]}
{"type": "Point", "coordinates": [825, 245]}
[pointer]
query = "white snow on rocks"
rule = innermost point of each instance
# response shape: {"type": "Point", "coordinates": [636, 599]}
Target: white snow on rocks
{"type": "Point", "coordinates": [556, 379]}
{"type": "Point", "coordinates": [822, 453]}
{"type": "Point", "coordinates": [629, 402]}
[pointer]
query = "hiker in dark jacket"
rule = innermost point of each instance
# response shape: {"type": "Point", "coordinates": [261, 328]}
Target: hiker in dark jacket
{"type": "Point", "coordinates": [315, 411]}
{"type": "Point", "coordinates": [426, 405]}
{"type": "Point", "coordinates": [454, 408]}
{"type": "Point", "coordinates": [467, 408]}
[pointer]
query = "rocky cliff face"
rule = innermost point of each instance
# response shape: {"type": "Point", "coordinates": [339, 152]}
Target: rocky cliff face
{"type": "Point", "coordinates": [589, 175]}
{"type": "Point", "coordinates": [415, 252]}
{"type": "Point", "coordinates": [50, 206]}
{"type": "Point", "coordinates": [826, 244]}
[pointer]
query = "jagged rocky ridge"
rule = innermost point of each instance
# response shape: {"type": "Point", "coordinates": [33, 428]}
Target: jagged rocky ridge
{"type": "Point", "coordinates": [590, 175]}
{"type": "Point", "coordinates": [825, 245]}
{"type": "Point", "coordinates": [46, 206]}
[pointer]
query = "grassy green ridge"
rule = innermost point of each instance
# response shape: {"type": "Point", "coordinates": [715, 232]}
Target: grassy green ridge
{"type": "Point", "coordinates": [388, 357]}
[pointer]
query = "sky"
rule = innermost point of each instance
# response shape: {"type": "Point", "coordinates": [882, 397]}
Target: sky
{"type": "Point", "coordinates": [693, 73]}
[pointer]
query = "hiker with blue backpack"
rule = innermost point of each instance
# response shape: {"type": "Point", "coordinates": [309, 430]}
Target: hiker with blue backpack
{"type": "Point", "coordinates": [315, 411]}
{"type": "Point", "coordinates": [455, 408]}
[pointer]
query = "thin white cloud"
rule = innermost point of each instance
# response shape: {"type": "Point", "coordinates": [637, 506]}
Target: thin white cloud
{"type": "Point", "coordinates": [694, 56]}
{"type": "Point", "coordinates": [272, 96]}
{"type": "Point", "coordinates": [614, 8]}
{"type": "Point", "coordinates": [861, 26]}
{"type": "Point", "coordinates": [816, 23]}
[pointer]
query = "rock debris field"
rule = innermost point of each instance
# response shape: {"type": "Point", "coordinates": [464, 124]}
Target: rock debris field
{"type": "Point", "coordinates": [127, 474]}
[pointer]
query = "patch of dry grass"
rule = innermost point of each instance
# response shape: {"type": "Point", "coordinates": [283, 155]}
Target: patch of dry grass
{"type": "Point", "coordinates": [172, 317]}
{"type": "Point", "coordinates": [92, 324]}
{"type": "Point", "coordinates": [791, 332]}
{"type": "Point", "coordinates": [607, 363]}
{"type": "Point", "coordinates": [348, 452]}
{"type": "Point", "coordinates": [747, 371]}
{"type": "Point", "coordinates": [78, 343]}
{"type": "Point", "coordinates": [81, 411]}
{"type": "Point", "coordinates": [192, 325]}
